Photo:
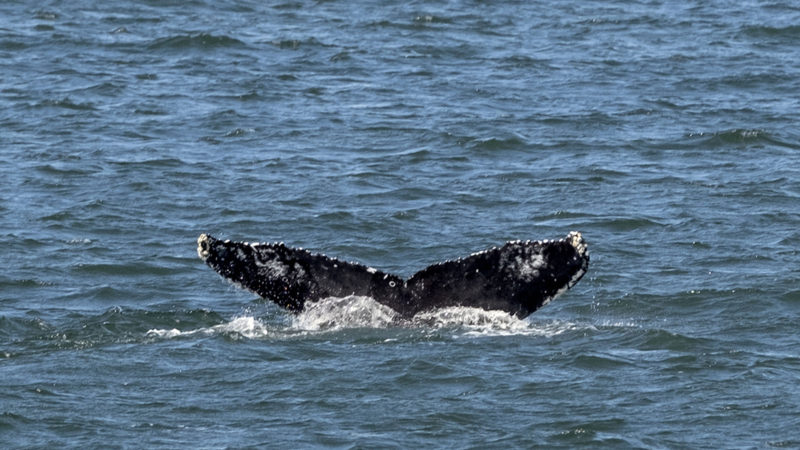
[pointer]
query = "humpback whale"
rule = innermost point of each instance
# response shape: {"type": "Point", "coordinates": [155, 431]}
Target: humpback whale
{"type": "Point", "coordinates": [518, 277]}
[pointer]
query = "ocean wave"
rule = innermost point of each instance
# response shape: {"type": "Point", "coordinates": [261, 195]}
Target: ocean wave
{"type": "Point", "coordinates": [499, 143]}
{"type": "Point", "coordinates": [625, 223]}
{"type": "Point", "coordinates": [13, 44]}
{"type": "Point", "coordinates": [146, 161]}
{"type": "Point", "coordinates": [66, 103]}
{"type": "Point", "coordinates": [294, 44]}
{"type": "Point", "coordinates": [766, 31]}
{"type": "Point", "coordinates": [736, 136]}
{"type": "Point", "coordinates": [81, 331]}
{"type": "Point", "coordinates": [203, 41]}
{"type": "Point", "coordinates": [718, 139]}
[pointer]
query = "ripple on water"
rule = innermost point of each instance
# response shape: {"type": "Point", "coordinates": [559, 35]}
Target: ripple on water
{"type": "Point", "coordinates": [199, 41]}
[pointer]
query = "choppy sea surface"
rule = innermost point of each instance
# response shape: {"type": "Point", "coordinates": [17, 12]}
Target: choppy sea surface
{"type": "Point", "coordinates": [398, 134]}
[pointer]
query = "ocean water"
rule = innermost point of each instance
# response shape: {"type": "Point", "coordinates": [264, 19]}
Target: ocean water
{"type": "Point", "coordinates": [398, 134]}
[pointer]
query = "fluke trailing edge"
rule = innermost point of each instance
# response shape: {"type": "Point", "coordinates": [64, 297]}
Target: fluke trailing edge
{"type": "Point", "coordinates": [518, 277]}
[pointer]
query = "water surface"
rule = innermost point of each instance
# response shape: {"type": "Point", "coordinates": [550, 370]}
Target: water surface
{"type": "Point", "coordinates": [399, 135]}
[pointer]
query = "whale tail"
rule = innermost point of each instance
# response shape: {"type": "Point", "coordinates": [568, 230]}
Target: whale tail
{"type": "Point", "coordinates": [519, 277]}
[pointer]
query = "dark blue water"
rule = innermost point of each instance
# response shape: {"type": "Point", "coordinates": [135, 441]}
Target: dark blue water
{"type": "Point", "coordinates": [399, 135]}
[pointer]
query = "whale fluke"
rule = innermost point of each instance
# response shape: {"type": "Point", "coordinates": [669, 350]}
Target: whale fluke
{"type": "Point", "coordinates": [519, 277]}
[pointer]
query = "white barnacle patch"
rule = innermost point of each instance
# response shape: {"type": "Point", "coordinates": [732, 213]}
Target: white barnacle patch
{"type": "Point", "coordinates": [576, 240]}
{"type": "Point", "coordinates": [298, 270]}
{"type": "Point", "coordinates": [263, 257]}
{"type": "Point", "coordinates": [202, 246]}
{"type": "Point", "coordinates": [269, 264]}
{"type": "Point", "coordinates": [523, 262]}
{"type": "Point", "coordinates": [371, 270]}
{"type": "Point", "coordinates": [528, 267]}
{"type": "Point", "coordinates": [276, 269]}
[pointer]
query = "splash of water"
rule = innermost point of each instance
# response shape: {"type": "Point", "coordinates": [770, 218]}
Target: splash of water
{"type": "Point", "coordinates": [353, 311]}
{"type": "Point", "coordinates": [239, 327]}
{"type": "Point", "coordinates": [480, 322]}
{"type": "Point", "coordinates": [338, 313]}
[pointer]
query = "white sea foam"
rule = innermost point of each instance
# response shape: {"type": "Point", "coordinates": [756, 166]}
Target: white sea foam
{"type": "Point", "coordinates": [243, 326]}
{"type": "Point", "coordinates": [334, 313]}
{"type": "Point", "coordinates": [480, 322]}
{"type": "Point", "coordinates": [364, 312]}
{"type": "Point", "coordinates": [79, 241]}
{"type": "Point", "coordinates": [338, 313]}
{"type": "Point", "coordinates": [163, 333]}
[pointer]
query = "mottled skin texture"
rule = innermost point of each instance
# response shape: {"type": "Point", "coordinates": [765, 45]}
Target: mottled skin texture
{"type": "Point", "coordinates": [518, 277]}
